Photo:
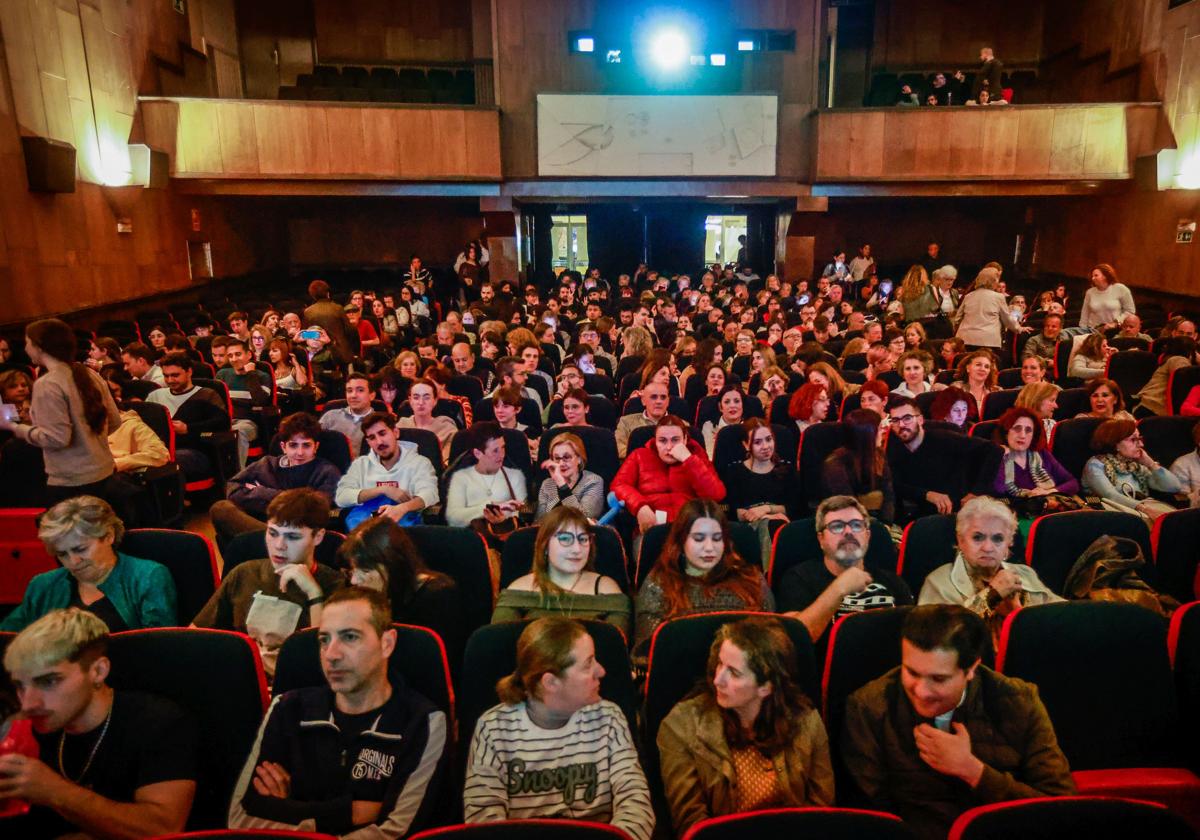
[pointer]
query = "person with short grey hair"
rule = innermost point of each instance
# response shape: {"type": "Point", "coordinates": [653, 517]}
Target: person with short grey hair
{"type": "Point", "coordinates": [818, 593]}
{"type": "Point", "coordinates": [126, 593]}
{"type": "Point", "coordinates": [980, 578]}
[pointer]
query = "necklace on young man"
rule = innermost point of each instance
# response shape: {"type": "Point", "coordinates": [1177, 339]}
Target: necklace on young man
{"type": "Point", "coordinates": [91, 756]}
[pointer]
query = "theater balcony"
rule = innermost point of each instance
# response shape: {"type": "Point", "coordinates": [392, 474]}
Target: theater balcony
{"type": "Point", "coordinates": [239, 146]}
{"type": "Point", "coordinates": [1008, 149]}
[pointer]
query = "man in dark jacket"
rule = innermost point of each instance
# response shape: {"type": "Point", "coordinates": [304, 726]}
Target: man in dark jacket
{"type": "Point", "coordinates": [330, 316]}
{"type": "Point", "coordinates": [935, 471]}
{"type": "Point", "coordinates": [195, 411]}
{"type": "Point", "coordinates": [248, 493]}
{"type": "Point", "coordinates": [364, 750]}
{"type": "Point", "coordinates": [943, 733]}
{"type": "Point", "coordinates": [987, 77]}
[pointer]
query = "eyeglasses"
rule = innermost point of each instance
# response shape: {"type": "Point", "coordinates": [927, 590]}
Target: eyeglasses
{"type": "Point", "coordinates": [905, 418]}
{"type": "Point", "coordinates": [566, 539]}
{"type": "Point", "coordinates": [856, 526]}
{"type": "Point", "coordinates": [562, 459]}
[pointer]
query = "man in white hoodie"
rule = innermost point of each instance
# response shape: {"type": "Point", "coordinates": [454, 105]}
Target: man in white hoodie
{"type": "Point", "coordinates": [393, 468]}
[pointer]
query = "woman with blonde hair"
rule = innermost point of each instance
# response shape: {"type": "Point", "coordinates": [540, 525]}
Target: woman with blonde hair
{"type": "Point", "coordinates": [125, 592]}
{"type": "Point", "coordinates": [408, 364]}
{"type": "Point", "coordinates": [915, 296]}
{"type": "Point", "coordinates": [983, 312]}
{"type": "Point", "coordinates": [569, 483]}
{"type": "Point", "coordinates": [1042, 399]}
{"type": "Point", "coordinates": [564, 580]}
{"type": "Point", "coordinates": [751, 717]}
{"type": "Point", "coordinates": [552, 724]}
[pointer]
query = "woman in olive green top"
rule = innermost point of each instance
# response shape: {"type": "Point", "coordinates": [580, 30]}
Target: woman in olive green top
{"type": "Point", "coordinates": [563, 581]}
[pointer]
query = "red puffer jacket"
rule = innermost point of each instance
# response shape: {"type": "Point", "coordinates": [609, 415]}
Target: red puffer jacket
{"type": "Point", "coordinates": [645, 480]}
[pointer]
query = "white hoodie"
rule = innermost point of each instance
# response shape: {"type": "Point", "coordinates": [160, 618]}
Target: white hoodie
{"type": "Point", "coordinates": [412, 472]}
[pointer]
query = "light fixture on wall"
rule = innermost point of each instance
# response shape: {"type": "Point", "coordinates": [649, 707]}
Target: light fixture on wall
{"type": "Point", "coordinates": [581, 41]}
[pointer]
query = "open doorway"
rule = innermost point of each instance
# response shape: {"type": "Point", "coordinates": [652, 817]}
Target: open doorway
{"type": "Point", "coordinates": [721, 238]}
{"type": "Point", "coordinates": [569, 243]}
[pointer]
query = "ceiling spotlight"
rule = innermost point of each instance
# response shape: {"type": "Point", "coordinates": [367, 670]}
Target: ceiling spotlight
{"type": "Point", "coordinates": [717, 59]}
{"type": "Point", "coordinates": [745, 45]}
{"type": "Point", "coordinates": [581, 41]}
{"type": "Point", "coordinates": [586, 45]}
{"type": "Point", "coordinates": [697, 60]}
{"type": "Point", "coordinates": [669, 48]}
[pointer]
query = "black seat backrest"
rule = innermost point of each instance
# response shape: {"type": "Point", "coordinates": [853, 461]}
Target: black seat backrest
{"type": "Point", "coordinates": [427, 444]}
{"type": "Point", "coordinates": [745, 542]}
{"type": "Point", "coordinates": [1058, 539]}
{"type": "Point", "coordinates": [600, 445]}
{"type": "Point", "coordinates": [253, 546]}
{"type": "Point", "coordinates": [816, 443]}
{"type": "Point", "coordinates": [190, 559]}
{"type": "Point", "coordinates": [929, 542]}
{"type": "Point", "coordinates": [332, 446]}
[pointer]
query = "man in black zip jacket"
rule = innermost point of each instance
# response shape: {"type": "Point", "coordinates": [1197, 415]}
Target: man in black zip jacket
{"type": "Point", "coordinates": [360, 757]}
{"type": "Point", "coordinates": [194, 411]}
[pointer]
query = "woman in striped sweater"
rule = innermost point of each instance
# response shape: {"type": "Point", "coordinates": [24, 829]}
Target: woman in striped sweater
{"type": "Point", "coordinates": [553, 748]}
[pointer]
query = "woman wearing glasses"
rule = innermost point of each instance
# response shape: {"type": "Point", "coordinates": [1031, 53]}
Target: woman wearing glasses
{"type": "Point", "coordinates": [1122, 473]}
{"type": "Point", "coordinates": [563, 581]}
{"type": "Point", "coordinates": [569, 484]}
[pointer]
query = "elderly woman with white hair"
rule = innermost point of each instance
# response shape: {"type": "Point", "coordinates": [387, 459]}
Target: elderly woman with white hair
{"type": "Point", "coordinates": [126, 593]}
{"type": "Point", "coordinates": [984, 310]}
{"type": "Point", "coordinates": [979, 578]}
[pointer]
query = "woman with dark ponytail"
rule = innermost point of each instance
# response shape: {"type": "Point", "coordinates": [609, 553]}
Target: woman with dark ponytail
{"type": "Point", "coordinates": [71, 415]}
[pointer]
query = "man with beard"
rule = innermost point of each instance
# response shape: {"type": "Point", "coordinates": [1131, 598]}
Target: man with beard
{"type": "Point", "coordinates": [818, 593]}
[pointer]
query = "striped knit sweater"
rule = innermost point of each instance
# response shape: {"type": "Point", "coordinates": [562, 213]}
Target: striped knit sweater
{"type": "Point", "coordinates": [587, 770]}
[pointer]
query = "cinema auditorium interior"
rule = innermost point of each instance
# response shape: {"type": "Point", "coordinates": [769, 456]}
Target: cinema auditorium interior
{"type": "Point", "coordinates": [599, 419]}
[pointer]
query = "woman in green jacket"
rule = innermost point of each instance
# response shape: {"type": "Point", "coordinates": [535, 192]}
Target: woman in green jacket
{"type": "Point", "coordinates": [749, 738]}
{"type": "Point", "coordinates": [126, 593]}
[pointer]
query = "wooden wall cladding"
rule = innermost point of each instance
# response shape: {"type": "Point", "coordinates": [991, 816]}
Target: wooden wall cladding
{"type": "Point", "coordinates": [383, 31]}
{"type": "Point", "coordinates": [948, 34]}
{"type": "Point", "coordinates": [212, 138]}
{"type": "Point", "coordinates": [1030, 142]}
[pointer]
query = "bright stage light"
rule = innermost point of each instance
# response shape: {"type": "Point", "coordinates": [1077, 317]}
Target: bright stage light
{"type": "Point", "coordinates": [669, 48]}
{"type": "Point", "coordinates": [585, 44]}
{"type": "Point", "coordinates": [746, 45]}
{"type": "Point", "coordinates": [717, 59]}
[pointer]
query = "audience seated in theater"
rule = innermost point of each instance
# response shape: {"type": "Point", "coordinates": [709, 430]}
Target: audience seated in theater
{"type": "Point", "coordinates": [977, 377]}
{"type": "Point", "coordinates": [195, 411]}
{"type": "Point", "coordinates": [942, 733]}
{"type": "Point", "coordinates": [730, 405]}
{"type": "Point", "coordinates": [859, 467]}
{"type": "Point", "coordinates": [249, 389]}
{"type": "Point", "coordinates": [360, 393]}
{"type": "Point", "coordinates": [440, 376]}
{"type": "Point", "coordinates": [1090, 359]}
{"type": "Point", "coordinates": [552, 747]}
{"type": "Point", "coordinates": [751, 717]}
{"type": "Point", "coordinates": [250, 492]}
{"type": "Point", "coordinates": [1030, 477]}
{"type": "Point", "coordinates": [698, 571]}
{"type": "Point", "coordinates": [1107, 302]}
{"type": "Point", "coordinates": [511, 371]}
{"type": "Point", "coordinates": [564, 581]}
{"type": "Point", "coordinates": [1122, 473]}
{"type": "Point", "coordinates": [1131, 328]}
{"type": "Point", "coordinates": [820, 592]}
{"type": "Point", "coordinates": [375, 771]}
{"type": "Point", "coordinates": [1042, 399]}
{"type": "Point", "coordinates": [934, 471]}
{"type": "Point", "coordinates": [109, 763]}
{"type": "Point", "coordinates": [125, 592]}
{"type": "Point", "coordinates": [575, 408]}
{"type": "Point", "coordinates": [506, 405]}
{"type": "Point", "coordinates": [980, 578]}
{"type": "Point", "coordinates": [139, 360]}
{"type": "Point", "coordinates": [810, 403]}
{"type": "Point", "coordinates": [953, 405]}
{"type": "Point", "coordinates": [422, 397]}
{"type": "Point", "coordinates": [102, 351]}
{"type": "Point", "coordinates": [392, 480]}
{"type": "Point", "coordinates": [71, 415]}
{"type": "Point", "coordinates": [1106, 400]}
{"type": "Point", "coordinates": [569, 484]}
{"type": "Point", "coordinates": [669, 470]}
{"type": "Point", "coordinates": [272, 598]}
{"type": "Point", "coordinates": [487, 489]}
{"type": "Point", "coordinates": [290, 375]}
{"type": "Point", "coordinates": [1177, 352]}
{"type": "Point", "coordinates": [1186, 468]}
{"type": "Point", "coordinates": [1034, 369]}
{"type": "Point", "coordinates": [762, 488]}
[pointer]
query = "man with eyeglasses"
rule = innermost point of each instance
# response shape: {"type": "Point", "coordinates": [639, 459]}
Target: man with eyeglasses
{"type": "Point", "coordinates": [819, 593]}
{"type": "Point", "coordinates": [935, 471]}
